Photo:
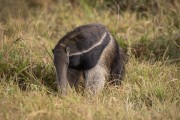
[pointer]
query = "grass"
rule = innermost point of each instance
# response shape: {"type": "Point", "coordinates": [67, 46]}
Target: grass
{"type": "Point", "coordinates": [28, 32]}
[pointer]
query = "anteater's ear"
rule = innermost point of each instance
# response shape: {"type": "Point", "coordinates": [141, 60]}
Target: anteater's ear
{"type": "Point", "coordinates": [67, 50]}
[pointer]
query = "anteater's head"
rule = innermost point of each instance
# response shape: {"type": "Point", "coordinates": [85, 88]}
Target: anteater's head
{"type": "Point", "coordinates": [61, 62]}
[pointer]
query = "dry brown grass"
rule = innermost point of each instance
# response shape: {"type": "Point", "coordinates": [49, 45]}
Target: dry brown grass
{"type": "Point", "coordinates": [28, 32]}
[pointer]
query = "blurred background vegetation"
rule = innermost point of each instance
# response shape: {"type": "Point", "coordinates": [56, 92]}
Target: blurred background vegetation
{"type": "Point", "coordinates": [149, 29]}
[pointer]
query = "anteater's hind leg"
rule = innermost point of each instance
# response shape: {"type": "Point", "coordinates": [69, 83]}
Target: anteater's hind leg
{"type": "Point", "coordinates": [118, 68]}
{"type": "Point", "coordinates": [94, 79]}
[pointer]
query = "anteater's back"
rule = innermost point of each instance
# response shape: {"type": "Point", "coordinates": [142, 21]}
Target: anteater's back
{"type": "Point", "coordinates": [86, 45]}
{"type": "Point", "coordinates": [83, 37]}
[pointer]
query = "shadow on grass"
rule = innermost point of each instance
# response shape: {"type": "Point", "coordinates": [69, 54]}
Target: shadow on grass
{"type": "Point", "coordinates": [38, 75]}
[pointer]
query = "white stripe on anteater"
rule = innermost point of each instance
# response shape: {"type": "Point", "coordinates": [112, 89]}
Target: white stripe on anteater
{"type": "Point", "coordinates": [85, 51]}
{"type": "Point", "coordinates": [95, 77]}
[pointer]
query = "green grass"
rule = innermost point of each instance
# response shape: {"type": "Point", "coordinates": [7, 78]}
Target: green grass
{"type": "Point", "coordinates": [28, 32]}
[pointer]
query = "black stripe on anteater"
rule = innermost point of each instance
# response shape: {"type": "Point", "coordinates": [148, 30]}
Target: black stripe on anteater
{"type": "Point", "coordinates": [89, 59]}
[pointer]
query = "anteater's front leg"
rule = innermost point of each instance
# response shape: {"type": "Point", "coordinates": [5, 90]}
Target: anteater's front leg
{"type": "Point", "coordinates": [73, 77]}
{"type": "Point", "coordinates": [95, 79]}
